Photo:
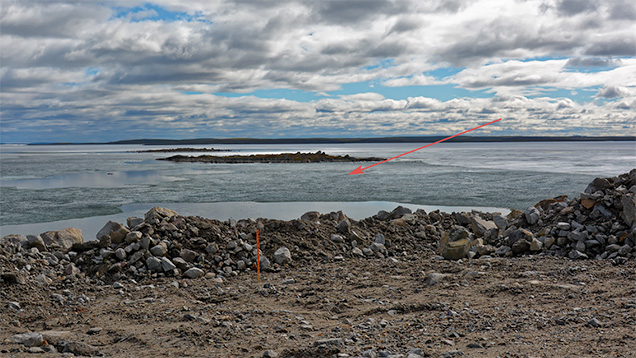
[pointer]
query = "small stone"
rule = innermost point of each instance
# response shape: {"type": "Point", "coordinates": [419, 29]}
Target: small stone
{"type": "Point", "coordinates": [115, 230]}
{"type": "Point", "coordinates": [94, 330]}
{"type": "Point", "coordinates": [474, 345]}
{"type": "Point", "coordinates": [188, 255]}
{"type": "Point", "coordinates": [14, 305]}
{"type": "Point", "coordinates": [270, 354]}
{"type": "Point", "coordinates": [133, 236]}
{"type": "Point", "coordinates": [36, 241]}
{"type": "Point", "coordinates": [181, 263]}
{"type": "Point", "coordinates": [153, 264]}
{"type": "Point", "coordinates": [594, 322]}
{"type": "Point", "coordinates": [435, 278]}
{"type": "Point", "coordinates": [194, 273]}
{"type": "Point", "coordinates": [535, 245]}
{"type": "Point", "coordinates": [29, 339]}
{"type": "Point", "coordinates": [356, 251]}
{"type": "Point", "coordinates": [35, 350]}
{"type": "Point", "coordinates": [167, 265]}
{"type": "Point", "coordinates": [379, 239]}
{"type": "Point", "coordinates": [282, 256]}
{"type": "Point", "coordinates": [344, 226]}
{"type": "Point", "coordinates": [520, 246]}
{"type": "Point", "coordinates": [81, 349]}
{"type": "Point", "coordinates": [575, 255]}
{"type": "Point", "coordinates": [71, 270]}
{"type": "Point", "coordinates": [120, 254]}
{"type": "Point", "coordinates": [563, 226]}
{"type": "Point", "coordinates": [159, 250]}
{"type": "Point", "coordinates": [337, 238]}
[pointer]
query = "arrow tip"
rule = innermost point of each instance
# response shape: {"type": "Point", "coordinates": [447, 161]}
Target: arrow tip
{"type": "Point", "coordinates": [358, 170]}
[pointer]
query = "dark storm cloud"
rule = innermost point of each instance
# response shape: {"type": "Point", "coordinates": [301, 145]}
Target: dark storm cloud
{"type": "Point", "coordinates": [623, 10]}
{"type": "Point", "coordinates": [573, 7]}
{"type": "Point", "coordinates": [613, 46]}
{"type": "Point", "coordinates": [593, 62]}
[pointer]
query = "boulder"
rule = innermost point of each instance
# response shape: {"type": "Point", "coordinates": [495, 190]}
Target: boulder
{"type": "Point", "coordinates": [134, 221]}
{"type": "Point", "coordinates": [29, 339]}
{"type": "Point", "coordinates": [310, 217]}
{"type": "Point", "coordinates": [454, 250]}
{"type": "Point", "coordinates": [167, 265]}
{"type": "Point", "coordinates": [63, 239]}
{"type": "Point", "coordinates": [520, 234]}
{"type": "Point", "coordinates": [158, 213]}
{"type": "Point", "coordinates": [153, 264]}
{"type": "Point", "coordinates": [188, 255]}
{"type": "Point", "coordinates": [520, 246]}
{"type": "Point", "coordinates": [282, 256]}
{"type": "Point", "coordinates": [532, 215]}
{"type": "Point", "coordinates": [193, 273]}
{"type": "Point", "coordinates": [480, 226]}
{"type": "Point", "coordinates": [115, 230]}
{"type": "Point", "coordinates": [344, 226]}
{"type": "Point", "coordinates": [36, 241]}
{"type": "Point", "coordinates": [15, 240]}
{"type": "Point", "coordinates": [629, 209]}
{"type": "Point", "coordinates": [160, 249]}
{"type": "Point", "coordinates": [500, 221]}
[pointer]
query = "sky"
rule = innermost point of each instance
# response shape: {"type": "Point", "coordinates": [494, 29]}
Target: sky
{"type": "Point", "coordinates": [96, 71]}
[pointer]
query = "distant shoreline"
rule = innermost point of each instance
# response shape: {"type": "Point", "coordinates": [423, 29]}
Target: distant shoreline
{"type": "Point", "coordinates": [419, 139]}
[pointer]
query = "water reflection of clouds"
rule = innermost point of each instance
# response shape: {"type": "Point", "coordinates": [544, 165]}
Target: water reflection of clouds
{"type": "Point", "coordinates": [115, 179]}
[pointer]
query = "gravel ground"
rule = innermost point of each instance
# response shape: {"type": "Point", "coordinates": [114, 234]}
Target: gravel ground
{"type": "Point", "coordinates": [402, 307]}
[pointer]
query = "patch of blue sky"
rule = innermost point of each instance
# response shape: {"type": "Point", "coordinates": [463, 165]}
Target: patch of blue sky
{"type": "Point", "coordinates": [443, 72]}
{"type": "Point", "coordinates": [191, 92]}
{"type": "Point", "coordinates": [91, 71]}
{"type": "Point", "coordinates": [152, 12]}
{"type": "Point", "coordinates": [442, 92]}
{"type": "Point", "coordinates": [580, 95]}
{"type": "Point", "coordinates": [277, 93]}
{"type": "Point", "coordinates": [590, 69]}
{"type": "Point", "coordinates": [386, 63]}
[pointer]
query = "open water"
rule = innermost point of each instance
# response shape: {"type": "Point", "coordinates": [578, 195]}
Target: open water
{"type": "Point", "coordinates": [50, 187]}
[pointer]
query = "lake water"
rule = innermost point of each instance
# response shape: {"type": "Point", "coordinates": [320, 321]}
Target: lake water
{"type": "Point", "coordinates": [50, 187]}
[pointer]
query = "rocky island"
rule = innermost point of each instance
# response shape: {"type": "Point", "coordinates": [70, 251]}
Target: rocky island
{"type": "Point", "coordinates": [298, 157]}
{"type": "Point", "coordinates": [556, 279]}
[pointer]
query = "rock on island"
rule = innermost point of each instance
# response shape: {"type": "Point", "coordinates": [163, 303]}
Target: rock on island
{"type": "Point", "coordinates": [298, 157]}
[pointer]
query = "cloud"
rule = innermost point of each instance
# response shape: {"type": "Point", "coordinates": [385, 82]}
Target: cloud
{"type": "Point", "coordinates": [614, 92]}
{"type": "Point", "coordinates": [130, 64]}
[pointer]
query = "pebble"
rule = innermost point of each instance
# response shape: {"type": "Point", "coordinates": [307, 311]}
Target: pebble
{"type": "Point", "coordinates": [35, 350]}
{"type": "Point", "coordinates": [94, 330]}
{"type": "Point", "coordinates": [14, 305]}
{"type": "Point", "coordinates": [270, 354]}
{"type": "Point", "coordinates": [594, 322]}
{"type": "Point", "coordinates": [117, 285]}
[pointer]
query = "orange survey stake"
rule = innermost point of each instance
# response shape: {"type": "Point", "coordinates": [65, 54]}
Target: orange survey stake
{"type": "Point", "coordinates": [258, 258]}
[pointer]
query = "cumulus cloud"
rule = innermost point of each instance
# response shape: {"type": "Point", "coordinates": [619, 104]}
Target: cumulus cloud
{"type": "Point", "coordinates": [83, 65]}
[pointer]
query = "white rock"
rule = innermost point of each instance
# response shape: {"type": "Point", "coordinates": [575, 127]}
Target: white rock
{"type": "Point", "coordinates": [282, 256]}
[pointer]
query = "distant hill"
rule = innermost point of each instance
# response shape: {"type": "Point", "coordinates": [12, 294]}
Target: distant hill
{"type": "Point", "coordinates": [420, 139]}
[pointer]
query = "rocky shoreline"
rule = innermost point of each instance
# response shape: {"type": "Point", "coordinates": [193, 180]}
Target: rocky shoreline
{"type": "Point", "coordinates": [398, 284]}
{"type": "Point", "coordinates": [318, 157]}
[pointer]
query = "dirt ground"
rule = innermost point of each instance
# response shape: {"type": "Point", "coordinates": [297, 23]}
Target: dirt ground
{"type": "Point", "coordinates": [406, 307]}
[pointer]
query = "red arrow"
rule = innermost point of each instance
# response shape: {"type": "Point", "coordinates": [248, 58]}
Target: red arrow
{"type": "Point", "coordinates": [360, 169]}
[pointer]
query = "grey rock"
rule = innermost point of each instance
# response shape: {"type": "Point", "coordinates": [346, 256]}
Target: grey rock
{"type": "Point", "coordinates": [63, 239]}
{"type": "Point", "coordinates": [282, 256]}
{"type": "Point", "coordinates": [14, 305]}
{"type": "Point", "coordinates": [612, 248]}
{"type": "Point", "coordinates": [624, 250]}
{"type": "Point", "coordinates": [480, 226]}
{"type": "Point", "coordinates": [575, 255]}
{"type": "Point", "coordinates": [520, 234]}
{"type": "Point", "coordinates": [580, 246]}
{"type": "Point", "coordinates": [535, 245]}
{"type": "Point", "coordinates": [379, 238]}
{"type": "Point", "coordinates": [117, 285]}
{"type": "Point", "coordinates": [594, 322]}
{"type": "Point", "coordinates": [29, 339]}
{"type": "Point", "coordinates": [629, 209]}
{"type": "Point", "coordinates": [120, 254]}
{"type": "Point", "coordinates": [194, 272]}
{"type": "Point", "coordinates": [265, 264]}
{"type": "Point", "coordinates": [563, 226]}
{"type": "Point", "coordinates": [212, 249]}
{"type": "Point", "coordinates": [36, 241]}
{"type": "Point", "coordinates": [435, 278]}
{"type": "Point", "coordinates": [367, 251]}
{"type": "Point", "coordinates": [13, 278]}
{"type": "Point", "coordinates": [231, 245]}
{"type": "Point", "coordinates": [71, 270]}
{"type": "Point", "coordinates": [500, 221]}
{"type": "Point", "coordinates": [240, 265]}
{"type": "Point", "coordinates": [548, 242]}
{"type": "Point", "coordinates": [383, 215]}
{"type": "Point", "coordinates": [158, 213]}
{"type": "Point", "coordinates": [159, 250]}
{"type": "Point", "coordinates": [181, 264]}
{"type": "Point", "coordinates": [133, 236]}
{"type": "Point", "coordinates": [94, 330]}
{"type": "Point", "coordinates": [270, 354]}
{"type": "Point", "coordinates": [356, 251]}
{"type": "Point", "coordinates": [310, 216]}
{"type": "Point", "coordinates": [520, 246]}
{"type": "Point", "coordinates": [133, 221]}
{"type": "Point", "coordinates": [329, 342]}
{"type": "Point", "coordinates": [344, 226]}
{"type": "Point", "coordinates": [188, 255]}
{"type": "Point", "coordinates": [337, 238]}
{"type": "Point", "coordinates": [167, 265]}
{"type": "Point", "coordinates": [375, 247]}
{"type": "Point", "coordinates": [115, 230]}
{"type": "Point", "coordinates": [153, 264]}
{"type": "Point", "coordinates": [80, 349]}
{"type": "Point", "coordinates": [532, 215]}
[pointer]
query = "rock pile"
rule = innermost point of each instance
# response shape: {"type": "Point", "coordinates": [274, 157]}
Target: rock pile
{"type": "Point", "coordinates": [600, 224]}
